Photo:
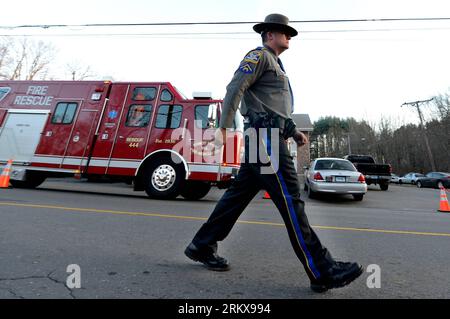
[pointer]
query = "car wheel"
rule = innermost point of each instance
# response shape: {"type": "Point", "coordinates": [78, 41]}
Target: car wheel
{"type": "Point", "coordinates": [440, 185]}
{"type": "Point", "coordinates": [419, 185]}
{"type": "Point", "coordinates": [32, 180]}
{"type": "Point", "coordinates": [358, 197]}
{"type": "Point", "coordinates": [311, 194]}
{"type": "Point", "coordinates": [400, 181]}
{"type": "Point", "coordinates": [413, 182]}
{"type": "Point", "coordinates": [384, 186]}
{"type": "Point", "coordinates": [164, 179]}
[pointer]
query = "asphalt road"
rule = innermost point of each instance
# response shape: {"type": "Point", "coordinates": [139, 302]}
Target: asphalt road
{"type": "Point", "coordinates": [128, 246]}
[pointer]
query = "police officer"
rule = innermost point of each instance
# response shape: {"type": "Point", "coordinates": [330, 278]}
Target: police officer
{"type": "Point", "coordinates": [262, 87]}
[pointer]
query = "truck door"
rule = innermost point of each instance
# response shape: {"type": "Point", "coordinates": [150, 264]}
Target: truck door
{"type": "Point", "coordinates": [133, 129]}
{"type": "Point", "coordinates": [58, 130]}
{"type": "Point", "coordinates": [79, 142]}
{"type": "Point", "coordinates": [205, 119]}
{"type": "Point", "coordinates": [170, 116]}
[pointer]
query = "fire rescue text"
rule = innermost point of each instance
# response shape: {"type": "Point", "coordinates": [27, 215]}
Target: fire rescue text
{"type": "Point", "coordinates": [36, 95]}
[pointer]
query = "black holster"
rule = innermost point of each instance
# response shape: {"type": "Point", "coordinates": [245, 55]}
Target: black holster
{"type": "Point", "coordinates": [266, 120]}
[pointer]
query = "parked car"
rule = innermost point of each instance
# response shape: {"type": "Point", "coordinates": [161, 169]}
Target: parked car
{"type": "Point", "coordinates": [410, 178]}
{"type": "Point", "coordinates": [395, 178]}
{"type": "Point", "coordinates": [434, 180]}
{"type": "Point", "coordinates": [334, 175]}
{"type": "Point", "coordinates": [374, 173]}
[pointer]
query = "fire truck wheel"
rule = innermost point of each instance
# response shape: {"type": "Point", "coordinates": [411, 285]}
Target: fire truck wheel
{"type": "Point", "coordinates": [195, 190]}
{"type": "Point", "coordinates": [32, 180]}
{"type": "Point", "coordinates": [163, 179]}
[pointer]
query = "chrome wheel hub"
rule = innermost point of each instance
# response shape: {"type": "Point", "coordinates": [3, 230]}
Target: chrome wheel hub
{"type": "Point", "coordinates": [163, 177]}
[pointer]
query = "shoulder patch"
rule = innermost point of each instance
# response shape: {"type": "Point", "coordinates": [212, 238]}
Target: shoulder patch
{"type": "Point", "coordinates": [246, 68]}
{"type": "Point", "coordinates": [253, 56]}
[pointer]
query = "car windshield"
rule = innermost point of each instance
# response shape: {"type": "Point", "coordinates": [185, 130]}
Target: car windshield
{"type": "Point", "coordinates": [334, 165]}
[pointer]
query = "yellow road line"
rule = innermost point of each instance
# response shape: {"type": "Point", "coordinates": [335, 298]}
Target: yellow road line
{"type": "Point", "coordinates": [116, 212]}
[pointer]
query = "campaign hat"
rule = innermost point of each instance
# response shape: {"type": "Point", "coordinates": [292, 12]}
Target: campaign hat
{"type": "Point", "coordinates": [275, 22]}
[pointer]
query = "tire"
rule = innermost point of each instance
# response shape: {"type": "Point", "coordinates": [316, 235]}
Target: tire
{"type": "Point", "coordinates": [384, 186]}
{"type": "Point", "coordinates": [358, 197]}
{"type": "Point", "coordinates": [32, 180]}
{"type": "Point", "coordinates": [439, 184]}
{"type": "Point", "coordinates": [400, 182]}
{"type": "Point", "coordinates": [311, 194]}
{"type": "Point", "coordinates": [195, 190]}
{"type": "Point", "coordinates": [419, 184]}
{"type": "Point", "coordinates": [163, 179]}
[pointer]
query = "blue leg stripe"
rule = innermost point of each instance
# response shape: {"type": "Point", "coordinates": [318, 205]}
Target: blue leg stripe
{"type": "Point", "coordinates": [297, 226]}
{"type": "Point", "coordinates": [292, 212]}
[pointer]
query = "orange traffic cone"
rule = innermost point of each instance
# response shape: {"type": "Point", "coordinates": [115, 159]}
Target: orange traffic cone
{"type": "Point", "coordinates": [266, 195]}
{"type": "Point", "coordinates": [443, 206]}
{"type": "Point", "coordinates": [4, 177]}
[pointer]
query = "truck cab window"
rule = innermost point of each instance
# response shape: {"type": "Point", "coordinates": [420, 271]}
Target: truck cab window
{"type": "Point", "coordinates": [166, 96]}
{"type": "Point", "coordinates": [64, 113]}
{"type": "Point", "coordinates": [144, 94]}
{"type": "Point", "coordinates": [169, 116]}
{"type": "Point", "coordinates": [201, 116]}
{"type": "Point", "coordinates": [138, 115]}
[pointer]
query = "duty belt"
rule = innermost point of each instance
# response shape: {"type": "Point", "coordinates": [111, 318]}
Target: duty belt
{"type": "Point", "coordinates": [264, 120]}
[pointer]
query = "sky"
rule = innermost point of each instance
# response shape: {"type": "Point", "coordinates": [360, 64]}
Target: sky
{"type": "Point", "coordinates": [365, 70]}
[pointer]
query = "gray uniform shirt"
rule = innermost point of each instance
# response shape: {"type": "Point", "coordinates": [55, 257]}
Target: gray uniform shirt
{"type": "Point", "coordinates": [261, 85]}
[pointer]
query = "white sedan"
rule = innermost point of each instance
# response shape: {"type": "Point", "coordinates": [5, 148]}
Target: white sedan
{"type": "Point", "coordinates": [410, 178]}
{"type": "Point", "coordinates": [334, 175]}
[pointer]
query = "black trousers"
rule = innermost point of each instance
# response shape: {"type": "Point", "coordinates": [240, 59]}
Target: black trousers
{"type": "Point", "coordinates": [280, 181]}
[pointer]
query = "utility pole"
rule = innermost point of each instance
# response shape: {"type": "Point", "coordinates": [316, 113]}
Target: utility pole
{"type": "Point", "coordinates": [427, 143]}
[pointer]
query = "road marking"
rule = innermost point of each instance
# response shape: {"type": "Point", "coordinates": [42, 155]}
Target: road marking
{"type": "Point", "coordinates": [116, 212]}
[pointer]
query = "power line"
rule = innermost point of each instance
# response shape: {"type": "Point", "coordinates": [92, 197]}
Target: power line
{"type": "Point", "coordinates": [48, 26]}
{"type": "Point", "coordinates": [231, 33]}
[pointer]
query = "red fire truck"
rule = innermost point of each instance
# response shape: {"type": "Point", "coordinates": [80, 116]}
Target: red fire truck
{"type": "Point", "coordinates": [131, 132]}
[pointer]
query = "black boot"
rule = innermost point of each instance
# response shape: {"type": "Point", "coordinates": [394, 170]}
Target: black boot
{"type": "Point", "coordinates": [208, 257]}
{"type": "Point", "coordinates": [339, 275]}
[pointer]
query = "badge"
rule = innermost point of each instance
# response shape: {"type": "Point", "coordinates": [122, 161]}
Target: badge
{"type": "Point", "coordinates": [253, 57]}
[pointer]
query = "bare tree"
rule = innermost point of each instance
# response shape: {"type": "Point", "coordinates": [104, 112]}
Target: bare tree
{"type": "Point", "coordinates": [79, 72]}
{"type": "Point", "coordinates": [24, 59]}
{"type": "Point", "coordinates": [401, 146]}
{"type": "Point", "coordinates": [5, 58]}
{"type": "Point", "coordinates": [442, 104]}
